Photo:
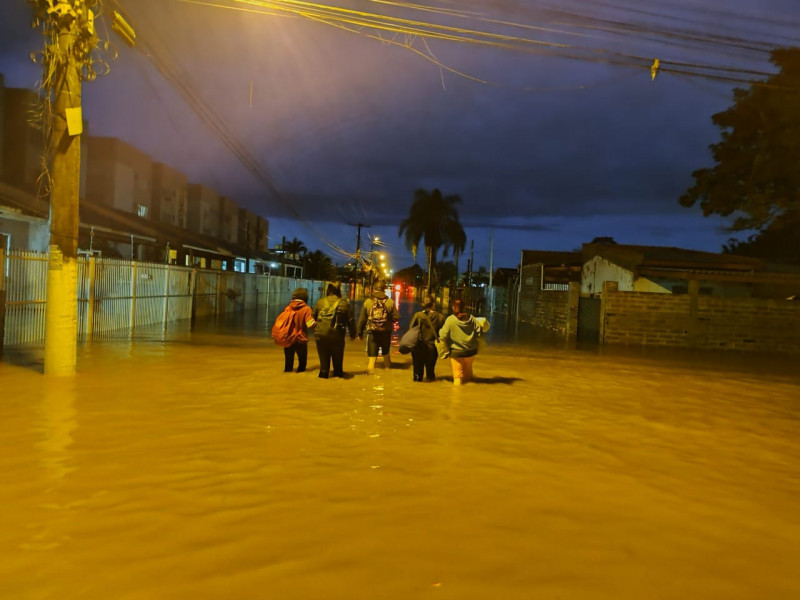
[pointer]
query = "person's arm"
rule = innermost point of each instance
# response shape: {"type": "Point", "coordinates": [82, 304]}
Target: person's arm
{"type": "Point", "coordinates": [482, 324]}
{"type": "Point", "coordinates": [362, 319]}
{"type": "Point", "coordinates": [444, 332]}
{"type": "Point", "coordinates": [308, 318]}
{"type": "Point", "coordinates": [315, 310]}
{"type": "Point", "coordinates": [395, 314]}
{"type": "Point", "coordinates": [351, 322]}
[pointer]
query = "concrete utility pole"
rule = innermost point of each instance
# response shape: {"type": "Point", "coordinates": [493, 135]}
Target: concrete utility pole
{"type": "Point", "coordinates": [69, 30]}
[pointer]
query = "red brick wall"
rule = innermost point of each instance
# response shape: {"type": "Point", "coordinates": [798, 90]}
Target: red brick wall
{"type": "Point", "coordinates": [640, 318]}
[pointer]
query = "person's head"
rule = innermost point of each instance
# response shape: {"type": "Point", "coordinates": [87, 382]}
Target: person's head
{"type": "Point", "coordinates": [300, 294]}
{"type": "Point", "coordinates": [428, 301]}
{"type": "Point", "coordinates": [379, 290]}
{"type": "Point", "coordinates": [333, 289]}
{"type": "Point", "coordinates": [459, 309]}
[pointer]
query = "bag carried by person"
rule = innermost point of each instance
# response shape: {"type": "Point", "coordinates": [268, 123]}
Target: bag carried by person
{"type": "Point", "coordinates": [409, 340]}
{"type": "Point", "coordinates": [378, 318]}
{"type": "Point", "coordinates": [327, 322]}
{"type": "Point", "coordinates": [443, 349]}
{"type": "Point", "coordinates": [285, 332]}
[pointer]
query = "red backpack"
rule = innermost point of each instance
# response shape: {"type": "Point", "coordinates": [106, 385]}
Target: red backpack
{"type": "Point", "coordinates": [285, 331]}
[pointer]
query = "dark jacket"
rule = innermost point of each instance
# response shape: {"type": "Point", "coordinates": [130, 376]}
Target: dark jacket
{"type": "Point", "coordinates": [392, 315]}
{"type": "Point", "coordinates": [344, 316]}
{"type": "Point", "coordinates": [429, 327]}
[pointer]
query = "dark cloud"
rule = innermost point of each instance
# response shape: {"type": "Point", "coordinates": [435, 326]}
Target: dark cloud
{"type": "Point", "coordinates": [346, 128]}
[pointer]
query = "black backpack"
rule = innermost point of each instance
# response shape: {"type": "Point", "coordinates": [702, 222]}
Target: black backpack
{"type": "Point", "coordinates": [327, 321]}
{"type": "Point", "coordinates": [378, 318]}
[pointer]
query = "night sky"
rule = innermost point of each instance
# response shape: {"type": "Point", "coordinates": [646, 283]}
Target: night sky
{"type": "Point", "coordinates": [557, 138]}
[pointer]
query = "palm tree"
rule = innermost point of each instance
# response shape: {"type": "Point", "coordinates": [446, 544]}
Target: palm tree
{"type": "Point", "coordinates": [295, 248]}
{"type": "Point", "coordinates": [433, 220]}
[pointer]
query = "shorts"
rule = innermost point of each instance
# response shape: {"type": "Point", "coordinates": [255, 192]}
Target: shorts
{"type": "Point", "coordinates": [378, 340]}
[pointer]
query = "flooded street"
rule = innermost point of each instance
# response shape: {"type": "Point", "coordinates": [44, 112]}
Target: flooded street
{"type": "Point", "coordinates": [193, 467]}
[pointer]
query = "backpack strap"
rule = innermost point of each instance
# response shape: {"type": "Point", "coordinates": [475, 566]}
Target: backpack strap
{"type": "Point", "coordinates": [430, 324]}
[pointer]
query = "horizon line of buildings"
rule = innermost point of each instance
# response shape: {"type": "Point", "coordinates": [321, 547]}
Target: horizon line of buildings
{"type": "Point", "coordinates": [131, 206]}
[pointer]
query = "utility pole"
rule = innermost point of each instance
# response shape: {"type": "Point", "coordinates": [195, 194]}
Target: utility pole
{"type": "Point", "coordinates": [69, 29]}
{"type": "Point", "coordinates": [283, 256]}
{"type": "Point", "coordinates": [491, 270]}
{"type": "Point", "coordinates": [359, 265]}
{"type": "Point", "coordinates": [471, 257]}
{"type": "Point", "coordinates": [246, 245]}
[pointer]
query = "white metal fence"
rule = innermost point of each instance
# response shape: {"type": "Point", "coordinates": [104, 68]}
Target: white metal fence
{"type": "Point", "coordinates": [117, 297]}
{"type": "Point", "coordinates": [25, 284]}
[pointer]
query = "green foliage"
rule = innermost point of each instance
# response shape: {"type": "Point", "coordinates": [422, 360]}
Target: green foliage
{"type": "Point", "coordinates": [318, 265]}
{"type": "Point", "coordinates": [756, 178]}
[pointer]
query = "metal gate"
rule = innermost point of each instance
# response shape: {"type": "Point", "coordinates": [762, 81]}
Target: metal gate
{"type": "Point", "coordinates": [26, 297]}
{"type": "Point", "coordinates": [589, 320]}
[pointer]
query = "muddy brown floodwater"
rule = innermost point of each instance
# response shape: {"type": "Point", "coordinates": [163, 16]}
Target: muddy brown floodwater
{"type": "Point", "coordinates": [189, 466]}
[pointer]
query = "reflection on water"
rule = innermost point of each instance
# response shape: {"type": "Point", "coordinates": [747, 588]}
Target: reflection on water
{"type": "Point", "coordinates": [187, 465]}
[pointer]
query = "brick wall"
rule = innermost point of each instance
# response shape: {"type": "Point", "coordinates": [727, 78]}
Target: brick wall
{"type": "Point", "coordinates": [554, 310]}
{"type": "Point", "coordinates": [694, 321]}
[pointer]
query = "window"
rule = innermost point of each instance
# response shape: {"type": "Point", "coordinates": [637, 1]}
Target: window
{"type": "Point", "coordinates": [141, 210]}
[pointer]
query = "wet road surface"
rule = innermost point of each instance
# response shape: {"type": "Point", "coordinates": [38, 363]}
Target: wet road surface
{"type": "Point", "coordinates": [189, 466]}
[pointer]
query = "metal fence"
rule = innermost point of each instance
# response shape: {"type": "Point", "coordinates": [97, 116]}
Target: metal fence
{"type": "Point", "coordinates": [25, 275]}
{"type": "Point", "coordinates": [117, 297]}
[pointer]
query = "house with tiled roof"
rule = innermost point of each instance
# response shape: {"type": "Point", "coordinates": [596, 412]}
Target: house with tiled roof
{"type": "Point", "coordinates": [668, 270]}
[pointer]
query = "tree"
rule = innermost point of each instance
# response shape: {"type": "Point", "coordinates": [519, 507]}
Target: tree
{"type": "Point", "coordinates": [756, 178]}
{"type": "Point", "coordinates": [776, 242]}
{"type": "Point", "coordinates": [412, 275]}
{"type": "Point", "coordinates": [433, 220]}
{"type": "Point", "coordinates": [319, 266]}
{"type": "Point", "coordinates": [604, 239]}
{"type": "Point", "coordinates": [448, 273]}
{"type": "Point", "coordinates": [295, 248]}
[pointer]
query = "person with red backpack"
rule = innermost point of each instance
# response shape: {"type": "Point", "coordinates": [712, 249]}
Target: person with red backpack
{"type": "Point", "coordinates": [378, 316]}
{"type": "Point", "coordinates": [291, 330]}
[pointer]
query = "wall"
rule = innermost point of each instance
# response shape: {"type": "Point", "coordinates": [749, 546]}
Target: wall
{"type": "Point", "coordinates": [554, 310]}
{"type": "Point", "coordinates": [248, 229]}
{"type": "Point", "coordinates": [169, 195]}
{"type": "Point", "coordinates": [229, 220]}
{"type": "Point", "coordinates": [118, 175]}
{"type": "Point", "coordinates": [698, 321]}
{"type": "Point", "coordinates": [597, 270]}
{"type": "Point", "coordinates": [22, 148]}
{"type": "Point", "coordinates": [203, 210]}
{"type": "Point", "coordinates": [27, 234]}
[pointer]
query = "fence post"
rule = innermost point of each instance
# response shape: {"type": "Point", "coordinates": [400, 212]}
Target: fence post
{"type": "Point", "coordinates": [133, 297]}
{"type": "Point", "coordinates": [192, 293]}
{"type": "Point", "coordinates": [2, 295]}
{"type": "Point", "coordinates": [218, 298]}
{"type": "Point", "coordinates": [90, 307]}
{"type": "Point", "coordinates": [166, 298]}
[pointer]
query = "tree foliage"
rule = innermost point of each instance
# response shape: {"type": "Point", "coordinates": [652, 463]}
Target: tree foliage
{"type": "Point", "coordinates": [295, 248]}
{"type": "Point", "coordinates": [319, 266]}
{"type": "Point", "coordinates": [413, 275]}
{"type": "Point", "coordinates": [756, 177]}
{"type": "Point", "coordinates": [433, 220]}
{"type": "Point", "coordinates": [779, 242]}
